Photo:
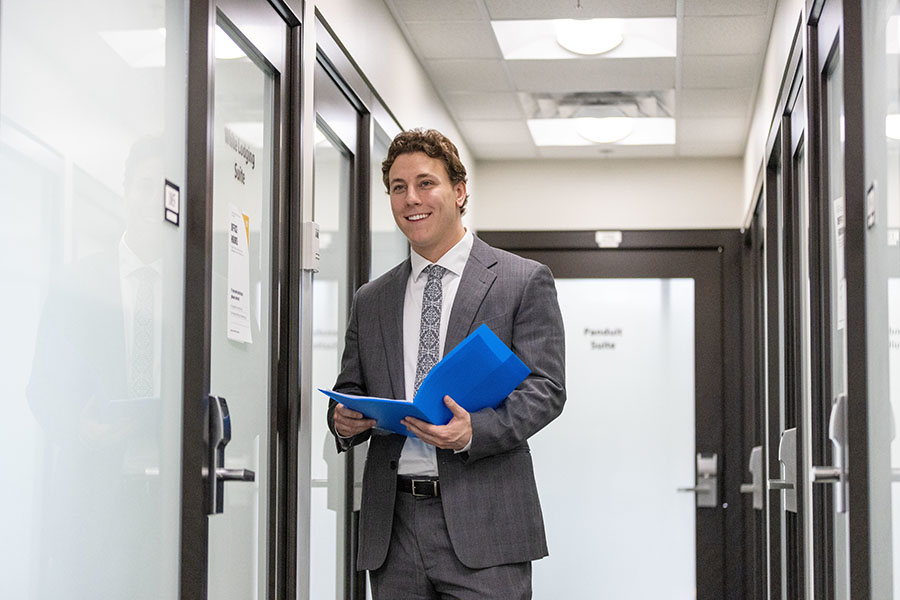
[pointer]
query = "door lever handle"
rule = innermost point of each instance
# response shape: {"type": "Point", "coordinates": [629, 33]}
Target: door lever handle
{"type": "Point", "coordinates": [219, 436]}
{"type": "Point", "coordinates": [836, 474]}
{"type": "Point", "coordinates": [755, 487]}
{"type": "Point", "coordinates": [235, 475]}
{"type": "Point", "coordinates": [707, 483]}
{"type": "Point", "coordinates": [780, 484]}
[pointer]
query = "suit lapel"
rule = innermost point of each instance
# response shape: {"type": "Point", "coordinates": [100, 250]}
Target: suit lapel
{"type": "Point", "coordinates": [476, 280]}
{"type": "Point", "coordinates": [391, 301]}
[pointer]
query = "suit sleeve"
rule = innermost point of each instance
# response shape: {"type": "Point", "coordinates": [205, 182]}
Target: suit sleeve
{"type": "Point", "coordinates": [350, 379]}
{"type": "Point", "coordinates": [538, 338]}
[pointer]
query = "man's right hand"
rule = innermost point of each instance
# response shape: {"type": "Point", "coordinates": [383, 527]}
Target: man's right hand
{"type": "Point", "coordinates": [348, 422]}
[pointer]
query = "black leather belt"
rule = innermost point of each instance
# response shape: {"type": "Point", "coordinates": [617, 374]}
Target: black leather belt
{"type": "Point", "coordinates": [421, 487]}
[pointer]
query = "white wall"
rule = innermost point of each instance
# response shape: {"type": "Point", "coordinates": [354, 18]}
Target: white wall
{"type": "Point", "coordinates": [784, 24]}
{"type": "Point", "coordinates": [368, 31]}
{"type": "Point", "coordinates": [608, 194]}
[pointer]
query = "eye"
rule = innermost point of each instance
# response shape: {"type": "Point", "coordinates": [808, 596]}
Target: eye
{"type": "Point", "coordinates": [396, 189]}
{"type": "Point", "coordinates": [427, 183]}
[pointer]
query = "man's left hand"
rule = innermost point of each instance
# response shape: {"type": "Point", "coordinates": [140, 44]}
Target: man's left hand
{"type": "Point", "coordinates": [455, 435]}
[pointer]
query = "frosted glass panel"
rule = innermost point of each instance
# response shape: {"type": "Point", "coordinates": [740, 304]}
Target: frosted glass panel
{"type": "Point", "coordinates": [609, 467]}
{"type": "Point", "coordinates": [332, 178]}
{"type": "Point", "coordinates": [240, 317]}
{"type": "Point", "coordinates": [90, 439]}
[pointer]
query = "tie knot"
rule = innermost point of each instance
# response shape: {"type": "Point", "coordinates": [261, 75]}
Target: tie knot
{"type": "Point", "coordinates": [434, 272]}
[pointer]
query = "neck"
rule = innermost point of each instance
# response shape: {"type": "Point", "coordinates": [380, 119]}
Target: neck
{"type": "Point", "coordinates": [433, 255]}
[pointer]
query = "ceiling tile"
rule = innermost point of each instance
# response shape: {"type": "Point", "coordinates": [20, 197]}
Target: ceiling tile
{"type": "Point", "coordinates": [712, 130]}
{"type": "Point", "coordinates": [568, 9]}
{"type": "Point", "coordinates": [720, 71]}
{"type": "Point", "coordinates": [483, 75]}
{"type": "Point", "coordinates": [693, 8]}
{"type": "Point", "coordinates": [721, 102]}
{"type": "Point", "coordinates": [455, 39]}
{"type": "Point", "coordinates": [484, 105]}
{"type": "Point", "coordinates": [593, 75]}
{"type": "Point", "coordinates": [495, 132]}
{"type": "Point", "coordinates": [725, 35]}
{"type": "Point", "coordinates": [437, 10]}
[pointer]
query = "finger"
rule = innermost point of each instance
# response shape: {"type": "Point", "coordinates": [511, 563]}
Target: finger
{"type": "Point", "coordinates": [348, 412]}
{"type": "Point", "coordinates": [455, 408]}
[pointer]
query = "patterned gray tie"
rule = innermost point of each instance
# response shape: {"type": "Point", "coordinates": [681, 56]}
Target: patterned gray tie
{"type": "Point", "coordinates": [430, 327]}
{"type": "Point", "coordinates": [141, 380]}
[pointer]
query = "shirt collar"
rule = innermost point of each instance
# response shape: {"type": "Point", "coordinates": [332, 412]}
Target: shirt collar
{"type": "Point", "coordinates": [454, 260]}
{"type": "Point", "coordinates": [130, 263]}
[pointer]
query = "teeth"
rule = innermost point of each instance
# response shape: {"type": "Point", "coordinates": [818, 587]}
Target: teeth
{"type": "Point", "coordinates": [416, 217]}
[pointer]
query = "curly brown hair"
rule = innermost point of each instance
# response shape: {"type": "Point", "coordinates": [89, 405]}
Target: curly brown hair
{"type": "Point", "coordinates": [434, 144]}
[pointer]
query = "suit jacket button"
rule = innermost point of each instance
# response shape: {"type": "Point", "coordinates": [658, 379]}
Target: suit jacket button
{"type": "Point", "coordinates": [393, 465]}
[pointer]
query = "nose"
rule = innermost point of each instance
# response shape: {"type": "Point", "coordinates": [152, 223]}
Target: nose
{"type": "Point", "coordinates": [412, 196]}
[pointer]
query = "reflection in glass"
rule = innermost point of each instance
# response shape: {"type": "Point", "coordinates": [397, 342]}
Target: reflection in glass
{"type": "Point", "coordinates": [91, 431]}
{"type": "Point", "coordinates": [330, 301]}
{"type": "Point", "coordinates": [630, 376]}
{"type": "Point", "coordinates": [834, 91]}
{"type": "Point", "coordinates": [389, 245]}
{"type": "Point", "coordinates": [890, 248]}
{"type": "Point", "coordinates": [240, 315]}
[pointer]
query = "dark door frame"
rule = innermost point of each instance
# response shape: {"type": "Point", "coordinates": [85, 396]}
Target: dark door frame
{"type": "Point", "coordinates": [653, 246]}
{"type": "Point", "coordinates": [834, 27]}
{"type": "Point", "coordinates": [194, 543]}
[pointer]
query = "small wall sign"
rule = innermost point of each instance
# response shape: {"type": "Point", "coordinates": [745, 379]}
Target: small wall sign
{"type": "Point", "coordinates": [172, 202]}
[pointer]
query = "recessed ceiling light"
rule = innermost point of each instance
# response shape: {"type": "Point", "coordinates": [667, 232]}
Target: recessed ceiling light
{"type": "Point", "coordinates": [530, 39]}
{"type": "Point", "coordinates": [605, 130]}
{"type": "Point", "coordinates": [226, 48]}
{"type": "Point", "coordinates": [589, 36]}
{"type": "Point", "coordinates": [140, 48]}
{"type": "Point", "coordinates": [575, 132]}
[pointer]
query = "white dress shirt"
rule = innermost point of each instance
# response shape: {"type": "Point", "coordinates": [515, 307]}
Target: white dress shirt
{"type": "Point", "coordinates": [419, 458]}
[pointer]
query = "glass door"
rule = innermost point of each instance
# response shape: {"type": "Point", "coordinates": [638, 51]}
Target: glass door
{"type": "Point", "coordinates": [645, 347]}
{"type": "Point", "coordinates": [333, 500]}
{"type": "Point", "coordinates": [244, 302]}
{"type": "Point", "coordinates": [235, 316]}
{"type": "Point", "coordinates": [831, 407]}
{"type": "Point", "coordinates": [788, 351]}
{"type": "Point", "coordinates": [881, 54]}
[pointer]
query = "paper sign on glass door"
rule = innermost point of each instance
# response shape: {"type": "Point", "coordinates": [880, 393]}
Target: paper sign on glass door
{"type": "Point", "coordinates": [239, 277]}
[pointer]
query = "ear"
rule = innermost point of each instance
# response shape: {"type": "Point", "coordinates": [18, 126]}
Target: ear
{"type": "Point", "coordinates": [460, 189]}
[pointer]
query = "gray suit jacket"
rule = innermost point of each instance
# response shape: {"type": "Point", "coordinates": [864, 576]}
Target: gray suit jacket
{"type": "Point", "coordinates": [489, 494]}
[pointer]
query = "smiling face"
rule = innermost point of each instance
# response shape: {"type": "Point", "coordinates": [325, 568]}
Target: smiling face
{"type": "Point", "coordinates": [425, 204]}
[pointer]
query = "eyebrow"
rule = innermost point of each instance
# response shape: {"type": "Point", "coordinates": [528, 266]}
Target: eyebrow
{"type": "Point", "coordinates": [417, 177]}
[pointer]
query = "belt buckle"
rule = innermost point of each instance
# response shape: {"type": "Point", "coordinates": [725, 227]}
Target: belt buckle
{"type": "Point", "coordinates": [433, 483]}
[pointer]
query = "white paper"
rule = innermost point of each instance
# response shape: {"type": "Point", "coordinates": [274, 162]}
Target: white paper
{"type": "Point", "coordinates": [840, 275]}
{"type": "Point", "coordinates": [239, 277]}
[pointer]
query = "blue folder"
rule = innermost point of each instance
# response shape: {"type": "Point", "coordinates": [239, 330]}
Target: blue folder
{"type": "Point", "coordinates": [479, 373]}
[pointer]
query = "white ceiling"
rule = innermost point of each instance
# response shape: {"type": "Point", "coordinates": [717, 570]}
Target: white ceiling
{"type": "Point", "coordinates": [715, 73]}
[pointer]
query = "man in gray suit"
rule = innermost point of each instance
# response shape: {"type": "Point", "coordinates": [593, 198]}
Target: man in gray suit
{"type": "Point", "coordinates": [452, 512]}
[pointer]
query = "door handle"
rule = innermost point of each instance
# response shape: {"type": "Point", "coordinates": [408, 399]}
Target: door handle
{"type": "Point", "coordinates": [836, 474]}
{"type": "Point", "coordinates": [235, 475]}
{"type": "Point", "coordinates": [707, 486]}
{"type": "Point", "coordinates": [219, 436]}
{"type": "Point", "coordinates": [755, 487]}
{"type": "Point", "coordinates": [787, 456]}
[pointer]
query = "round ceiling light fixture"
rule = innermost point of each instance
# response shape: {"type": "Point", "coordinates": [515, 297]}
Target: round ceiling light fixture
{"type": "Point", "coordinates": [589, 37]}
{"type": "Point", "coordinates": [604, 130]}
